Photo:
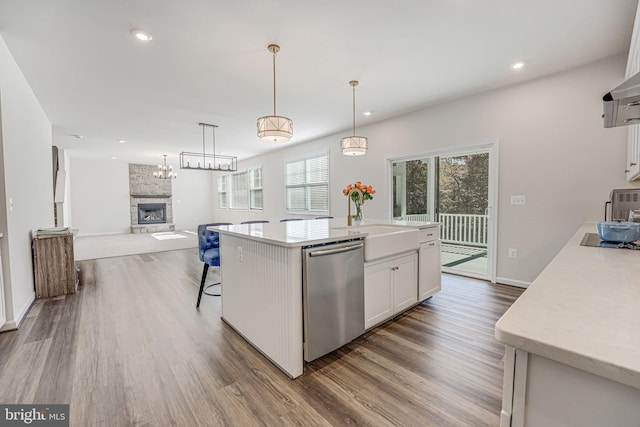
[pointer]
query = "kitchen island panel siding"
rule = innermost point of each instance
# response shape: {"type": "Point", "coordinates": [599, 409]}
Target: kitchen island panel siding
{"type": "Point", "coordinates": [263, 298]}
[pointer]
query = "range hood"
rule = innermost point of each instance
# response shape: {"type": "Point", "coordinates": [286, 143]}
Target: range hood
{"type": "Point", "coordinates": [622, 104]}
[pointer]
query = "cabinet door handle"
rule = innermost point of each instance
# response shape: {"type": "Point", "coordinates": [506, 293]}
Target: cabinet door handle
{"type": "Point", "coordinates": [627, 171]}
{"type": "Point", "coordinates": [394, 268]}
{"type": "Point", "coordinates": [632, 164]}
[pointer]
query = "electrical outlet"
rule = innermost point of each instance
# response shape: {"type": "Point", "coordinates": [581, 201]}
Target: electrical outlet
{"type": "Point", "coordinates": [513, 253]}
{"type": "Point", "coordinates": [518, 200]}
{"type": "Point", "coordinates": [239, 253]}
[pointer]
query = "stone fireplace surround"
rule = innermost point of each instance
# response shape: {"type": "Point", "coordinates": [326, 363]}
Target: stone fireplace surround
{"type": "Point", "coordinates": [144, 188]}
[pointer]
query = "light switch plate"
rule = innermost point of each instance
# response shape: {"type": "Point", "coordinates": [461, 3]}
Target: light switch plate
{"type": "Point", "coordinates": [518, 200]}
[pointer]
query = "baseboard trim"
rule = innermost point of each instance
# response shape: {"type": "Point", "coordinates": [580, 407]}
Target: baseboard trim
{"type": "Point", "coordinates": [512, 282]}
{"type": "Point", "coordinates": [110, 233]}
{"type": "Point", "coordinates": [9, 326]}
{"type": "Point", "coordinates": [12, 325]}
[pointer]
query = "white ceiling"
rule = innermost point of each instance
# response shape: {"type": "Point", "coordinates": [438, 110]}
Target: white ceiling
{"type": "Point", "coordinates": [208, 62]}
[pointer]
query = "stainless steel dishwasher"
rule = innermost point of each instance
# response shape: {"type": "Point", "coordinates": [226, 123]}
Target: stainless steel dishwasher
{"type": "Point", "coordinates": [333, 296]}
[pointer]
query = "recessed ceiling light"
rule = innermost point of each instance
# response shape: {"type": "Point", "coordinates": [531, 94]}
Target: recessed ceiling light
{"type": "Point", "coordinates": [142, 35]}
{"type": "Point", "coordinates": [76, 136]}
{"type": "Point", "coordinates": [517, 65]}
{"type": "Point", "coordinates": [113, 158]}
{"type": "Point", "coordinates": [121, 141]}
{"type": "Point", "coordinates": [366, 113]}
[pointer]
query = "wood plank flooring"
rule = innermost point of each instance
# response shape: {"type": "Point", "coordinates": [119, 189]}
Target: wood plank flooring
{"type": "Point", "coordinates": [130, 349]}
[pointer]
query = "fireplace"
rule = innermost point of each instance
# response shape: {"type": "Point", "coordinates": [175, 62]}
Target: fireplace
{"type": "Point", "coordinates": [152, 213]}
{"type": "Point", "coordinates": [150, 200]}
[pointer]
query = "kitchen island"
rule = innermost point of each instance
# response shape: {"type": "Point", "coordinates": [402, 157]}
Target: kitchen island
{"type": "Point", "coordinates": [573, 341]}
{"type": "Point", "coordinates": [262, 279]}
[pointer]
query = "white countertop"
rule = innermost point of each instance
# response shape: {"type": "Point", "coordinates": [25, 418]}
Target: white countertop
{"type": "Point", "coordinates": [583, 310]}
{"type": "Point", "coordinates": [310, 232]}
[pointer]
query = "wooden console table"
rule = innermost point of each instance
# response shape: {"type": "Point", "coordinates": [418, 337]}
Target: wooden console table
{"type": "Point", "coordinates": [53, 265]}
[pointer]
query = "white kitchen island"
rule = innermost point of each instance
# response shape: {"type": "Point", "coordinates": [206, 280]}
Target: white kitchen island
{"type": "Point", "coordinates": [261, 273]}
{"type": "Point", "coordinates": [573, 341]}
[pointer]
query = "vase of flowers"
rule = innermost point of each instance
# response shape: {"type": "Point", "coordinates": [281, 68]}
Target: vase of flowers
{"type": "Point", "coordinates": [358, 193]}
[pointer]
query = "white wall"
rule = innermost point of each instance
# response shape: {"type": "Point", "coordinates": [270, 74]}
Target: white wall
{"type": "Point", "coordinates": [193, 199]}
{"type": "Point", "coordinates": [100, 197]}
{"type": "Point", "coordinates": [553, 149]}
{"type": "Point", "coordinates": [63, 206]}
{"type": "Point", "coordinates": [26, 175]}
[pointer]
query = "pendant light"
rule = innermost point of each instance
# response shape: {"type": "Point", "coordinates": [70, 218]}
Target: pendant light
{"type": "Point", "coordinates": [354, 145]}
{"type": "Point", "coordinates": [164, 171]}
{"type": "Point", "coordinates": [205, 161]}
{"type": "Point", "coordinates": [275, 128]}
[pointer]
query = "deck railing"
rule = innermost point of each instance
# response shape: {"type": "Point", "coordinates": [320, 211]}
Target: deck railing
{"type": "Point", "coordinates": [463, 229]}
{"type": "Point", "coordinates": [458, 228]}
{"type": "Point", "coordinates": [418, 217]}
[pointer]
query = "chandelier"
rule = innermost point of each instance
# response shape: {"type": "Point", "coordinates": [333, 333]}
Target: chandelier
{"type": "Point", "coordinates": [275, 128]}
{"type": "Point", "coordinates": [205, 161]}
{"type": "Point", "coordinates": [354, 145]}
{"type": "Point", "coordinates": [164, 171]}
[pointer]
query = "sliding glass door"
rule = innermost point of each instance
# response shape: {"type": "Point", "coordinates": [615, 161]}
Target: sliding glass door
{"type": "Point", "coordinates": [412, 190]}
{"type": "Point", "coordinates": [456, 188]}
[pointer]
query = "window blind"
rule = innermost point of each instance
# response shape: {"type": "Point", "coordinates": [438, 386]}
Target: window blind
{"type": "Point", "coordinates": [222, 192]}
{"type": "Point", "coordinates": [239, 191]}
{"type": "Point", "coordinates": [307, 185]}
{"type": "Point", "coordinates": [255, 189]}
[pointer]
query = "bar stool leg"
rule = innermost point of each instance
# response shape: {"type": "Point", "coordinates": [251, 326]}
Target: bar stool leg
{"type": "Point", "coordinates": [204, 276]}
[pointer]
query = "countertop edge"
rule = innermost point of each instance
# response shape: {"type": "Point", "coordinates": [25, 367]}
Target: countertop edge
{"type": "Point", "coordinates": [334, 239]}
{"type": "Point", "coordinates": [588, 364]}
{"type": "Point", "coordinates": [276, 233]}
{"type": "Point", "coordinates": [516, 327]}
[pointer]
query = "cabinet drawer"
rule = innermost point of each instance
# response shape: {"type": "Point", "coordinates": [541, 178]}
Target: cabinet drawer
{"type": "Point", "coordinates": [428, 234]}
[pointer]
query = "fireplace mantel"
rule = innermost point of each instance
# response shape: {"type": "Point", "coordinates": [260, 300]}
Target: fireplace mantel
{"type": "Point", "coordinates": [151, 196]}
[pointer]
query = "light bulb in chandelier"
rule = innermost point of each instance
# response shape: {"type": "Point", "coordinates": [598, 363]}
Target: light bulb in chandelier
{"type": "Point", "coordinates": [164, 171]}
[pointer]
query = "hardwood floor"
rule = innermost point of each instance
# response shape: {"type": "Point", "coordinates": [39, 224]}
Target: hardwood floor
{"type": "Point", "coordinates": [130, 349]}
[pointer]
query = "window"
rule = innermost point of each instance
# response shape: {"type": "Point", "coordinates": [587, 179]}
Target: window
{"type": "Point", "coordinates": [255, 189]}
{"type": "Point", "coordinates": [241, 190]}
{"type": "Point", "coordinates": [307, 185]}
{"type": "Point", "coordinates": [222, 192]}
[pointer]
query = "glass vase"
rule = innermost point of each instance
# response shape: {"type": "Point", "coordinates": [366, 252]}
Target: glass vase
{"type": "Point", "coordinates": [358, 219]}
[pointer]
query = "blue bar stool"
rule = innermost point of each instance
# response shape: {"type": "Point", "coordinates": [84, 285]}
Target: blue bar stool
{"type": "Point", "coordinates": [209, 252]}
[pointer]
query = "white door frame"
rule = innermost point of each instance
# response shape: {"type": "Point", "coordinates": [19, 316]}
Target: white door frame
{"type": "Point", "coordinates": [491, 147]}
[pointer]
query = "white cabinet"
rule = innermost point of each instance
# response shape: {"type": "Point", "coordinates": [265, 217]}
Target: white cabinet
{"type": "Point", "coordinates": [3, 315]}
{"type": "Point", "coordinates": [405, 283]}
{"type": "Point", "coordinates": [378, 293]}
{"type": "Point", "coordinates": [632, 168]}
{"type": "Point", "coordinates": [540, 392]}
{"type": "Point", "coordinates": [429, 258]}
{"type": "Point", "coordinates": [429, 277]}
{"type": "Point", "coordinates": [390, 287]}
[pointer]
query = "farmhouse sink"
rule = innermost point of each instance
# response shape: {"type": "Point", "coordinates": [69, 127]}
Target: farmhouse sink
{"type": "Point", "coordinates": [384, 240]}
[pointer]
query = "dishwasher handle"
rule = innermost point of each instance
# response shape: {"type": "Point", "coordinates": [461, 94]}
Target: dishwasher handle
{"type": "Point", "coordinates": [336, 250]}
